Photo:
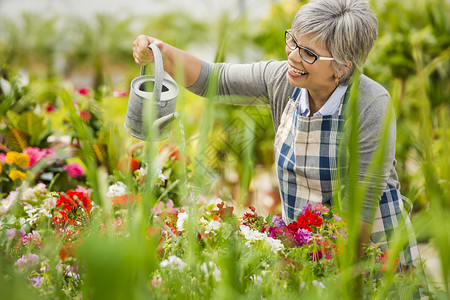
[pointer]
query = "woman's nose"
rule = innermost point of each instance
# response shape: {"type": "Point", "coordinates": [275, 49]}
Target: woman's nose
{"type": "Point", "coordinates": [293, 54]}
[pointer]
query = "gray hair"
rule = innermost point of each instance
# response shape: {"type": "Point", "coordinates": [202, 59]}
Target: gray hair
{"type": "Point", "coordinates": [346, 28]}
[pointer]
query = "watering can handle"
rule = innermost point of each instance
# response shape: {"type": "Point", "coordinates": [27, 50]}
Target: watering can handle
{"type": "Point", "coordinates": [159, 72]}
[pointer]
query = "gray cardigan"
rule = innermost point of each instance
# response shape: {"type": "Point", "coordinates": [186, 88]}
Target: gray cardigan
{"type": "Point", "coordinates": [266, 83]}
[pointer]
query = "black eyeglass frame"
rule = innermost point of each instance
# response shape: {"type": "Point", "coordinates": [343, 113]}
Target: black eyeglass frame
{"type": "Point", "coordinates": [316, 57]}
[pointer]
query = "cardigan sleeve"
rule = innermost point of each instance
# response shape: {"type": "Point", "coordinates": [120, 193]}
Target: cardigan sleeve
{"type": "Point", "coordinates": [375, 108]}
{"type": "Point", "coordinates": [242, 84]}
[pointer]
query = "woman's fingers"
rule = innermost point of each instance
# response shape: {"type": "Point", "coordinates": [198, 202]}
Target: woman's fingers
{"type": "Point", "coordinates": [141, 53]}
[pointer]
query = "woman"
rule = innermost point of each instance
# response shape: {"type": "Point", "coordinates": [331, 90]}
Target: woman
{"type": "Point", "coordinates": [329, 39]}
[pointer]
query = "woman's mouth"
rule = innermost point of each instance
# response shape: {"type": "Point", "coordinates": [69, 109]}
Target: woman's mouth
{"type": "Point", "coordinates": [296, 72]}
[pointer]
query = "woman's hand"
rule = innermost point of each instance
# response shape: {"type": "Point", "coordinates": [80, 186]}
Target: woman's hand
{"type": "Point", "coordinates": [141, 53]}
{"type": "Point", "coordinates": [173, 58]}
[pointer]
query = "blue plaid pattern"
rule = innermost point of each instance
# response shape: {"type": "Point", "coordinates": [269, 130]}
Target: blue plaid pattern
{"type": "Point", "coordinates": [306, 163]}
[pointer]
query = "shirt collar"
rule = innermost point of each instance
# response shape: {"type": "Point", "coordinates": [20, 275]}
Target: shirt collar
{"type": "Point", "coordinates": [331, 107]}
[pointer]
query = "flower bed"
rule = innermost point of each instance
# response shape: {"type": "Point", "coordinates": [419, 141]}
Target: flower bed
{"type": "Point", "coordinates": [78, 220]}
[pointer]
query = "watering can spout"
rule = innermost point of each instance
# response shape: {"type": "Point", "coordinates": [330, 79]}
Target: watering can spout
{"type": "Point", "coordinates": [162, 90]}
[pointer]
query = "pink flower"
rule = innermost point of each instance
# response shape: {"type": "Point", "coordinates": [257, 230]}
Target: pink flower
{"type": "Point", "coordinates": [11, 233]}
{"type": "Point", "coordinates": [74, 169]}
{"type": "Point", "coordinates": [2, 157]}
{"type": "Point", "coordinates": [84, 190]}
{"type": "Point", "coordinates": [37, 280]}
{"type": "Point", "coordinates": [34, 238]}
{"type": "Point", "coordinates": [37, 154]}
{"type": "Point", "coordinates": [83, 91]}
{"type": "Point", "coordinates": [26, 261]}
{"type": "Point", "coordinates": [118, 93]}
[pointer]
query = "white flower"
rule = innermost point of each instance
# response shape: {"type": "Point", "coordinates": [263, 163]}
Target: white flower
{"type": "Point", "coordinates": [49, 202]}
{"type": "Point", "coordinates": [318, 284]}
{"type": "Point", "coordinates": [212, 226]}
{"type": "Point", "coordinates": [161, 176]}
{"type": "Point", "coordinates": [9, 201]}
{"type": "Point", "coordinates": [275, 245]}
{"type": "Point", "coordinates": [40, 188]}
{"type": "Point", "coordinates": [28, 195]}
{"type": "Point", "coordinates": [215, 202]}
{"type": "Point", "coordinates": [173, 262]}
{"type": "Point", "coordinates": [252, 236]}
{"type": "Point", "coordinates": [117, 189]}
{"type": "Point", "coordinates": [212, 266]}
{"type": "Point", "coordinates": [256, 279]}
{"type": "Point", "coordinates": [182, 217]}
{"type": "Point", "coordinates": [141, 172]}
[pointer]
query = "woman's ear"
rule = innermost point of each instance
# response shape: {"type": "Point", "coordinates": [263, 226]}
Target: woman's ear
{"type": "Point", "coordinates": [343, 69]}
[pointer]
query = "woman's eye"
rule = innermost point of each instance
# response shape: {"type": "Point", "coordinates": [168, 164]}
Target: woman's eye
{"type": "Point", "coordinates": [309, 53]}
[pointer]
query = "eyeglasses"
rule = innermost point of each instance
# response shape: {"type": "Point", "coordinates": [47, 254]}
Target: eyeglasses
{"type": "Point", "coordinates": [306, 54]}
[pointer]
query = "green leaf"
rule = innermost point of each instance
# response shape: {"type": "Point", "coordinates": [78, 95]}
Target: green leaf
{"type": "Point", "coordinates": [31, 123]}
{"type": "Point", "coordinates": [18, 140]}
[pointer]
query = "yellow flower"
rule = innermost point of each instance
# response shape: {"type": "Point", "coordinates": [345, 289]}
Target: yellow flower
{"type": "Point", "coordinates": [16, 174]}
{"type": "Point", "coordinates": [1, 167]}
{"type": "Point", "coordinates": [20, 159]}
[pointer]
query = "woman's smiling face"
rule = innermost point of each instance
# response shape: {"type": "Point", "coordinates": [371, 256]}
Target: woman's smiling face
{"type": "Point", "coordinates": [319, 76]}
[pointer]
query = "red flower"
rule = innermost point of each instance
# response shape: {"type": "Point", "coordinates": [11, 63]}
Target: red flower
{"type": "Point", "coordinates": [70, 202]}
{"type": "Point", "coordinates": [50, 108]}
{"type": "Point", "coordinates": [224, 212]}
{"type": "Point", "coordinates": [305, 221]}
{"type": "Point", "coordinates": [85, 115]}
{"type": "Point", "coordinates": [172, 151]}
{"type": "Point", "coordinates": [129, 164]}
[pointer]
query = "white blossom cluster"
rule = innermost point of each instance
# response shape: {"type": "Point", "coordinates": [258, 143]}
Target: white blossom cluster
{"type": "Point", "coordinates": [161, 176]}
{"type": "Point", "coordinates": [253, 236]}
{"type": "Point", "coordinates": [141, 172]}
{"type": "Point", "coordinates": [206, 268]}
{"type": "Point", "coordinates": [116, 190]}
{"type": "Point", "coordinates": [211, 226]}
{"type": "Point", "coordinates": [25, 193]}
{"type": "Point", "coordinates": [173, 262]}
{"type": "Point", "coordinates": [8, 202]}
{"type": "Point", "coordinates": [36, 213]}
{"type": "Point", "coordinates": [181, 220]}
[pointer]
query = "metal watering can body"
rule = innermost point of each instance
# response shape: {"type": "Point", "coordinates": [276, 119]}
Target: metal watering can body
{"type": "Point", "coordinates": [162, 90]}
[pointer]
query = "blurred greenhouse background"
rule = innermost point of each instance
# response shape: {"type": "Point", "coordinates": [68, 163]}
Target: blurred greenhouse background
{"type": "Point", "coordinates": [88, 44]}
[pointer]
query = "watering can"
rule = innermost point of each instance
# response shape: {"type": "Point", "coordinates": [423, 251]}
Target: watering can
{"type": "Point", "coordinates": [162, 91]}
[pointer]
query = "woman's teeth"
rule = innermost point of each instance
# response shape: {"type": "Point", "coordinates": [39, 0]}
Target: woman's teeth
{"type": "Point", "coordinates": [296, 71]}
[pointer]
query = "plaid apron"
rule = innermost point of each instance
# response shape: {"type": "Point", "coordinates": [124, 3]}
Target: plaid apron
{"type": "Point", "coordinates": [306, 163]}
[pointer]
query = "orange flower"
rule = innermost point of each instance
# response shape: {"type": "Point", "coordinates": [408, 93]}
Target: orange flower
{"type": "Point", "coordinates": [172, 151]}
{"type": "Point", "coordinates": [124, 200]}
{"type": "Point", "coordinates": [129, 164]}
{"type": "Point", "coordinates": [68, 249]}
{"type": "Point", "coordinates": [385, 260]}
